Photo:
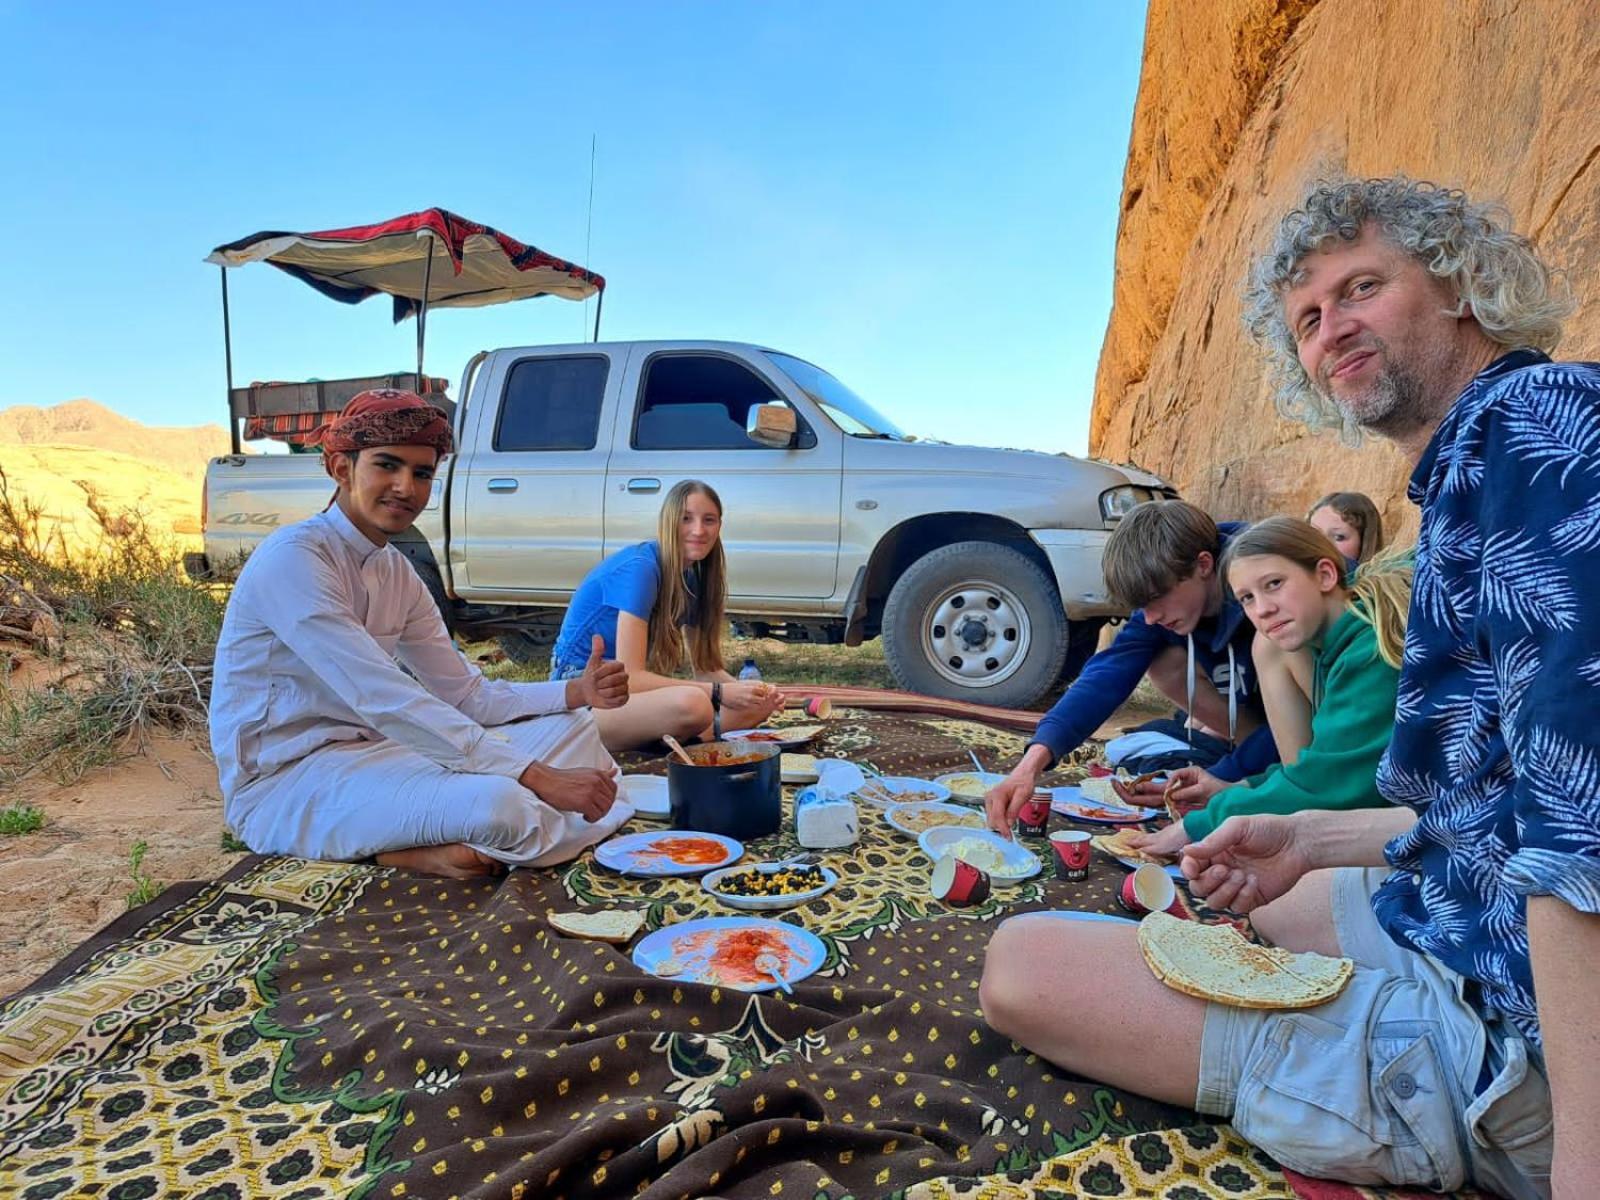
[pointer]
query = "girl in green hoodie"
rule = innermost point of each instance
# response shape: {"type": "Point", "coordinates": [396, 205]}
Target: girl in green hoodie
{"type": "Point", "coordinates": [1289, 579]}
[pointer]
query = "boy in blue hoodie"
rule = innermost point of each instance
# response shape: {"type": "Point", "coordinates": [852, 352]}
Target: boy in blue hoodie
{"type": "Point", "coordinates": [1187, 634]}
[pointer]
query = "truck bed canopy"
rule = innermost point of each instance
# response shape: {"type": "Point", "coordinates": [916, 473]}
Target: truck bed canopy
{"type": "Point", "coordinates": [395, 258]}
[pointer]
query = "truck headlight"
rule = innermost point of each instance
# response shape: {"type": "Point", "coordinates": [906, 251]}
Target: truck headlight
{"type": "Point", "coordinates": [1118, 502]}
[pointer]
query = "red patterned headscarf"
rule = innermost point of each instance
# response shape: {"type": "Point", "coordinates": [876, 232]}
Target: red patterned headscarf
{"type": "Point", "coordinates": [386, 417]}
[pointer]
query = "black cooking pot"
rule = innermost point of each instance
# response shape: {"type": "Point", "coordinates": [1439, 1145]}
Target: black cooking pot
{"type": "Point", "coordinates": [733, 790]}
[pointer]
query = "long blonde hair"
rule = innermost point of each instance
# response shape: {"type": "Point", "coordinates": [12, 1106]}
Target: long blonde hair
{"type": "Point", "coordinates": [1380, 591]}
{"type": "Point", "coordinates": [701, 608]}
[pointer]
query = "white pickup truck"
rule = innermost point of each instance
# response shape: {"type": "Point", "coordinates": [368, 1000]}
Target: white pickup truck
{"type": "Point", "coordinates": [979, 568]}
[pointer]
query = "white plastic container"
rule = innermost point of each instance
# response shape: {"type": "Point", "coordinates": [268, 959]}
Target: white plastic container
{"type": "Point", "coordinates": [825, 820]}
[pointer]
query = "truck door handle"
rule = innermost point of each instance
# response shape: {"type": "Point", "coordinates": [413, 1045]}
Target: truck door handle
{"type": "Point", "coordinates": [502, 485]}
{"type": "Point", "coordinates": [644, 485]}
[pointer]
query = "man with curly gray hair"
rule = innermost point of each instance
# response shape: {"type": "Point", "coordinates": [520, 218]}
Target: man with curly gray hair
{"type": "Point", "coordinates": [1462, 1049]}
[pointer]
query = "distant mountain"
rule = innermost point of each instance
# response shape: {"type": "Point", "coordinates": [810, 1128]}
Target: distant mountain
{"type": "Point", "coordinates": [54, 457]}
{"type": "Point", "coordinates": [181, 449]}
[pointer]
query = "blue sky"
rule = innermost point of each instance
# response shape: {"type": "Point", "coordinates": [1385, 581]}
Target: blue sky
{"type": "Point", "coordinates": [919, 197]}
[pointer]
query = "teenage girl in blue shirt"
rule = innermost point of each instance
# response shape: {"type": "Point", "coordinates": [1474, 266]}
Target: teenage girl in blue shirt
{"type": "Point", "coordinates": [658, 607]}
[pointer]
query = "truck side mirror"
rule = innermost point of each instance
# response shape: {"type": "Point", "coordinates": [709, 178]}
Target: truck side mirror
{"type": "Point", "coordinates": [771, 425]}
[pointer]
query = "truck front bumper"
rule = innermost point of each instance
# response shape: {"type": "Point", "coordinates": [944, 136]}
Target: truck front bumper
{"type": "Point", "coordinates": [1075, 556]}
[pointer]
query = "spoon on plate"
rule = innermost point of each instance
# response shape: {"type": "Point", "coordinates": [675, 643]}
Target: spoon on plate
{"type": "Point", "coordinates": [767, 963]}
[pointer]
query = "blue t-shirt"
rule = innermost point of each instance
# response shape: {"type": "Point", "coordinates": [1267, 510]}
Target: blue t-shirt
{"type": "Point", "coordinates": [626, 582]}
{"type": "Point", "coordinates": [1495, 742]}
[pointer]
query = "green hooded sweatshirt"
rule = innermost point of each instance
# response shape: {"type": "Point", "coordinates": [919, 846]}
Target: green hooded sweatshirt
{"type": "Point", "coordinates": [1350, 729]}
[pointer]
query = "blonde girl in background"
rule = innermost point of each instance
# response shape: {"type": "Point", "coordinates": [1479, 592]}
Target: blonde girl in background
{"type": "Point", "coordinates": [659, 608]}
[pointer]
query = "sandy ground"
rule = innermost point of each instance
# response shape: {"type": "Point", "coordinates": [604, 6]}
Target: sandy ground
{"type": "Point", "coordinates": [61, 884]}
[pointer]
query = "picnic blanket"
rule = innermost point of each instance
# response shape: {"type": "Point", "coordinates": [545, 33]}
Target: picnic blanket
{"type": "Point", "coordinates": [300, 1029]}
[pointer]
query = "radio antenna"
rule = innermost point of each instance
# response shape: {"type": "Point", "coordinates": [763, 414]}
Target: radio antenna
{"type": "Point", "coordinates": [588, 240]}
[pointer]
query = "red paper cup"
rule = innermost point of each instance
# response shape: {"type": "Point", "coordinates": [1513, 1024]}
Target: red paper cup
{"type": "Point", "coordinates": [1072, 853]}
{"type": "Point", "coordinates": [1150, 889]}
{"type": "Point", "coordinates": [819, 706]}
{"type": "Point", "coordinates": [1033, 818]}
{"type": "Point", "coordinates": [957, 882]}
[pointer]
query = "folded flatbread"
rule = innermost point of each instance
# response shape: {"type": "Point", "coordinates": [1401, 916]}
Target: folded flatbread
{"type": "Point", "coordinates": [1117, 845]}
{"type": "Point", "coordinates": [1114, 789]}
{"type": "Point", "coordinates": [615, 925]}
{"type": "Point", "coordinates": [1217, 962]}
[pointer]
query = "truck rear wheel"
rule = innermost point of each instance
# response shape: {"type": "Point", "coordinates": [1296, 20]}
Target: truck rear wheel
{"type": "Point", "coordinates": [529, 645]}
{"type": "Point", "coordinates": [976, 621]}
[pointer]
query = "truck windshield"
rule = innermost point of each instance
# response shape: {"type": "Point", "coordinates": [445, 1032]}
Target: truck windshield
{"type": "Point", "coordinates": [844, 408]}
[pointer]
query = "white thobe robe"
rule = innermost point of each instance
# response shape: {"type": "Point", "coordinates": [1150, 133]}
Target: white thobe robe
{"type": "Point", "coordinates": [328, 749]}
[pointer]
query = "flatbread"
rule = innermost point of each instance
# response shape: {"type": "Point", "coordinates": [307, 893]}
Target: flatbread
{"type": "Point", "coordinates": [1116, 845]}
{"type": "Point", "coordinates": [1102, 789]}
{"type": "Point", "coordinates": [615, 925]}
{"type": "Point", "coordinates": [1217, 962]}
{"type": "Point", "coordinates": [798, 768]}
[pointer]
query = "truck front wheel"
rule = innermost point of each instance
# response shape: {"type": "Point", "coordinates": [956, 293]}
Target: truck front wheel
{"type": "Point", "coordinates": [976, 621]}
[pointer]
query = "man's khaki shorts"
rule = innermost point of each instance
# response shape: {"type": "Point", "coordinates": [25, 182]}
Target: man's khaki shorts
{"type": "Point", "coordinates": [1381, 1084]}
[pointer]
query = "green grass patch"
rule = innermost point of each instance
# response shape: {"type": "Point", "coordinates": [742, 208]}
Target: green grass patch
{"type": "Point", "coordinates": [780, 662]}
{"type": "Point", "coordinates": [17, 819]}
{"type": "Point", "coordinates": [145, 889]}
{"type": "Point", "coordinates": [232, 845]}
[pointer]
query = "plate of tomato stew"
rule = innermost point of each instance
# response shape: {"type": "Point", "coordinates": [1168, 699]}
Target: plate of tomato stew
{"type": "Point", "coordinates": [668, 852]}
{"type": "Point", "coordinates": [723, 952]}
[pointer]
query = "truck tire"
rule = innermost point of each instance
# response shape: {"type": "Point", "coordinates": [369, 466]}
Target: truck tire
{"type": "Point", "coordinates": [434, 582]}
{"type": "Point", "coordinates": [1083, 639]}
{"type": "Point", "coordinates": [976, 621]}
{"type": "Point", "coordinates": [530, 645]}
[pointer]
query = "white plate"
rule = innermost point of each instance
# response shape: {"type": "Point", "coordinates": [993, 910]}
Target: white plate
{"type": "Point", "coordinates": [712, 882]}
{"type": "Point", "coordinates": [1021, 863]}
{"type": "Point", "coordinates": [786, 739]}
{"type": "Point", "coordinates": [989, 778]}
{"type": "Point", "coordinates": [648, 853]}
{"type": "Point", "coordinates": [1069, 802]}
{"type": "Point", "coordinates": [647, 794]}
{"type": "Point", "coordinates": [904, 788]}
{"type": "Point", "coordinates": [690, 946]}
{"type": "Point", "coordinates": [896, 815]}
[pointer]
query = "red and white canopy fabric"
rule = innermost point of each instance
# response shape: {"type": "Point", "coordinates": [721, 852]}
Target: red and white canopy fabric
{"type": "Point", "coordinates": [392, 257]}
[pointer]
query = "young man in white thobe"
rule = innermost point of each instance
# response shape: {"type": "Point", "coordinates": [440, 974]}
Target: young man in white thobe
{"type": "Point", "coordinates": [328, 749]}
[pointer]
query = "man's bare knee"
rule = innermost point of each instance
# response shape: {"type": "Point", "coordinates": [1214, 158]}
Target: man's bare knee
{"type": "Point", "coordinates": [1009, 994]}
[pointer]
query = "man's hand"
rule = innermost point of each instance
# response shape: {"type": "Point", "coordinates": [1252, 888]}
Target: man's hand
{"type": "Point", "coordinates": [587, 791]}
{"type": "Point", "coordinates": [602, 684]}
{"type": "Point", "coordinates": [1248, 861]}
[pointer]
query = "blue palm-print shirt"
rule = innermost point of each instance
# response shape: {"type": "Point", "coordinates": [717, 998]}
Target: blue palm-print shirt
{"type": "Point", "coordinates": [1497, 734]}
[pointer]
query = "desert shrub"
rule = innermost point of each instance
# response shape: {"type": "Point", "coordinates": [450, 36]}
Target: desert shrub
{"type": "Point", "coordinates": [132, 636]}
{"type": "Point", "coordinates": [18, 818]}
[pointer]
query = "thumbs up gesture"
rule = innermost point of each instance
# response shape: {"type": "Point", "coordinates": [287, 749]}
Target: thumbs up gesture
{"type": "Point", "coordinates": [603, 684]}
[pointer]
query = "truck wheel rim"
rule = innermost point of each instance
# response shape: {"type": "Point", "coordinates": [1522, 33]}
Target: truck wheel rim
{"type": "Point", "coordinates": [976, 634]}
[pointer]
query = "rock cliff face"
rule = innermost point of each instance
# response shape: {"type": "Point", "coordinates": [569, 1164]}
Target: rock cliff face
{"type": "Point", "coordinates": [1242, 103]}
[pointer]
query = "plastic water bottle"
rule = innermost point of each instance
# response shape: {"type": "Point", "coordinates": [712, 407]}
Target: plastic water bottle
{"type": "Point", "coordinates": [749, 670]}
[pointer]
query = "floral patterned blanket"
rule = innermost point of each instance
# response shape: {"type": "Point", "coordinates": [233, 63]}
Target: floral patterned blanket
{"type": "Point", "coordinates": [301, 1030]}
